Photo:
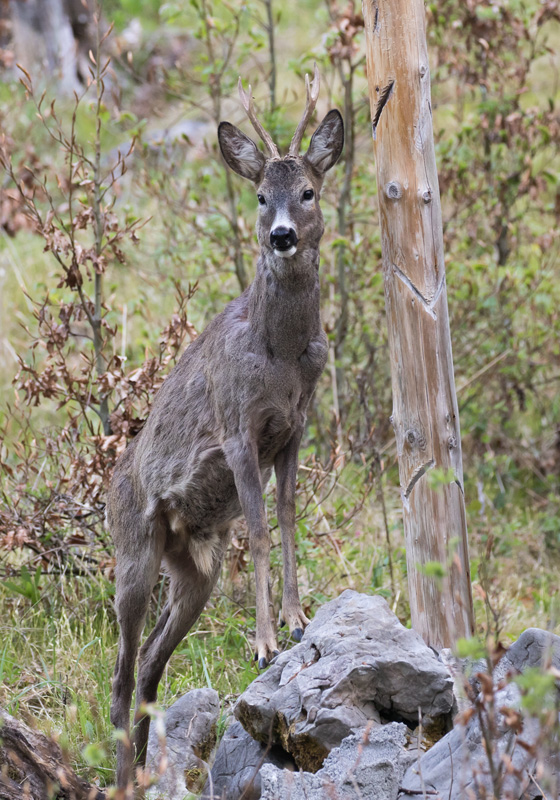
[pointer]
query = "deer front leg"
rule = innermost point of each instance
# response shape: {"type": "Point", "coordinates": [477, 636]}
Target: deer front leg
{"type": "Point", "coordinates": [286, 465]}
{"type": "Point", "coordinates": [243, 459]}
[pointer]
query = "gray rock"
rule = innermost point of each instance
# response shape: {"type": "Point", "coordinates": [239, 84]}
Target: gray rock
{"type": "Point", "coordinates": [355, 664]}
{"type": "Point", "coordinates": [190, 737]}
{"type": "Point", "coordinates": [535, 648]}
{"type": "Point", "coordinates": [463, 672]}
{"type": "Point", "coordinates": [458, 762]}
{"type": "Point", "coordinates": [237, 767]}
{"type": "Point", "coordinates": [369, 764]}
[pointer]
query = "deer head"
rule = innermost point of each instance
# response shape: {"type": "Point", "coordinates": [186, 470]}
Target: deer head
{"type": "Point", "coordinates": [288, 189]}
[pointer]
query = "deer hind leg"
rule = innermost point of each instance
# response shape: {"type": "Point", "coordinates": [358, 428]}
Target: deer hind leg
{"type": "Point", "coordinates": [189, 591]}
{"type": "Point", "coordinates": [136, 574]}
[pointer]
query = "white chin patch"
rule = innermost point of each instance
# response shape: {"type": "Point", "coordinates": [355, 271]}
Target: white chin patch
{"type": "Point", "coordinates": [286, 253]}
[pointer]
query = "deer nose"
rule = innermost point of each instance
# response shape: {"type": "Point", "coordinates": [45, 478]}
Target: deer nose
{"type": "Point", "coordinates": [282, 238]}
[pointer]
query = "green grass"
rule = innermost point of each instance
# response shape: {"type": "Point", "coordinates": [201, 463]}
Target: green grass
{"type": "Point", "coordinates": [59, 634]}
{"type": "Point", "coordinates": [58, 653]}
{"type": "Point", "coordinates": [59, 639]}
{"type": "Point", "coordinates": [56, 662]}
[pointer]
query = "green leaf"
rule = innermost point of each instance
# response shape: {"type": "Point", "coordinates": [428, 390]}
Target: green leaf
{"type": "Point", "coordinates": [432, 569]}
{"type": "Point", "coordinates": [94, 754]}
{"type": "Point", "coordinates": [438, 477]}
{"type": "Point", "coordinates": [470, 648]}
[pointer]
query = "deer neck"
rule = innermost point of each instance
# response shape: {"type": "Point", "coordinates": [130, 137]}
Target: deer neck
{"type": "Point", "coordinates": [284, 303]}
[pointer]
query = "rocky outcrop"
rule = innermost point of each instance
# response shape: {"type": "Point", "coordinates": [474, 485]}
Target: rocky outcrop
{"type": "Point", "coordinates": [535, 648]}
{"type": "Point", "coordinates": [521, 750]}
{"type": "Point", "coordinates": [190, 737]}
{"type": "Point", "coordinates": [239, 764]}
{"type": "Point", "coordinates": [458, 767]}
{"type": "Point", "coordinates": [355, 665]}
{"type": "Point", "coordinates": [369, 764]}
{"type": "Point", "coordinates": [335, 718]}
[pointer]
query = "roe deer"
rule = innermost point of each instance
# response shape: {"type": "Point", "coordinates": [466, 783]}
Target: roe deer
{"type": "Point", "coordinates": [233, 408]}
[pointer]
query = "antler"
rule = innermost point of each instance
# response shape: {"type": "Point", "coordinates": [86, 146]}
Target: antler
{"type": "Point", "coordinates": [247, 101]}
{"type": "Point", "coordinates": [312, 91]}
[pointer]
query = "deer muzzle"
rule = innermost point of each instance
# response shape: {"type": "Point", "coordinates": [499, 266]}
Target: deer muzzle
{"type": "Point", "coordinates": [283, 241]}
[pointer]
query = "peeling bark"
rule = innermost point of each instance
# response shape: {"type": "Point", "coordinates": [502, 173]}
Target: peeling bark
{"type": "Point", "coordinates": [427, 304]}
{"type": "Point", "coordinates": [425, 415]}
{"type": "Point", "coordinates": [420, 472]}
{"type": "Point", "coordinates": [384, 96]}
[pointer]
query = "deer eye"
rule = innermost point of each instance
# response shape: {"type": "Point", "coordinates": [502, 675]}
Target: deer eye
{"type": "Point", "coordinates": [260, 198]}
{"type": "Point", "coordinates": [308, 194]}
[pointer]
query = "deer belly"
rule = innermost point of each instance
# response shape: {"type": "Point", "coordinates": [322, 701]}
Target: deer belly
{"type": "Point", "coordinates": [202, 510]}
{"type": "Point", "coordinates": [206, 497]}
{"type": "Point", "coordinates": [276, 431]}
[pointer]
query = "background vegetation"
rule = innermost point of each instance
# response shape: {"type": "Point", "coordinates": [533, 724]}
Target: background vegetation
{"type": "Point", "coordinates": [122, 234]}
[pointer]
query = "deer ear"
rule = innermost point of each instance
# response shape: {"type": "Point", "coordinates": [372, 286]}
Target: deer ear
{"type": "Point", "coordinates": [240, 153]}
{"type": "Point", "coordinates": [326, 143]}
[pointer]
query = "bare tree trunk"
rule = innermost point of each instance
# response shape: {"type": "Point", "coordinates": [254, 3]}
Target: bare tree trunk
{"type": "Point", "coordinates": [425, 412]}
{"type": "Point", "coordinates": [343, 208]}
{"type": "Point", "coordinates": [269, 25]}
{"type": "Point", "coordinates": [43, 41]}
{"type": "Point", "coordinates": [5, 28]}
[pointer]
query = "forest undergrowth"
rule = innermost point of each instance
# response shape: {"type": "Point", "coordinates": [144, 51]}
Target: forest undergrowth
{"type": "Point", "coordinates": [122, 235]}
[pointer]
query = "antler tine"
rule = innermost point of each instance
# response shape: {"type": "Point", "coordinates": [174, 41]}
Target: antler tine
{"type": "Point", "coordinates": [247, 102]}
{"type": "Point", "coordinates": [312, 91]}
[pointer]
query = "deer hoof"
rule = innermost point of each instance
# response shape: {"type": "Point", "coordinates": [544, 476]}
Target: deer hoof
{"type": "Point", "coordinates": [265, 662]}
{"type": "Point", "coordinates": [295, 618]}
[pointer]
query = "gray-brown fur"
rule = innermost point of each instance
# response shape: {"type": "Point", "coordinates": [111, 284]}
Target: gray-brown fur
{"type": "Point", "coordinates": [231, 411]}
